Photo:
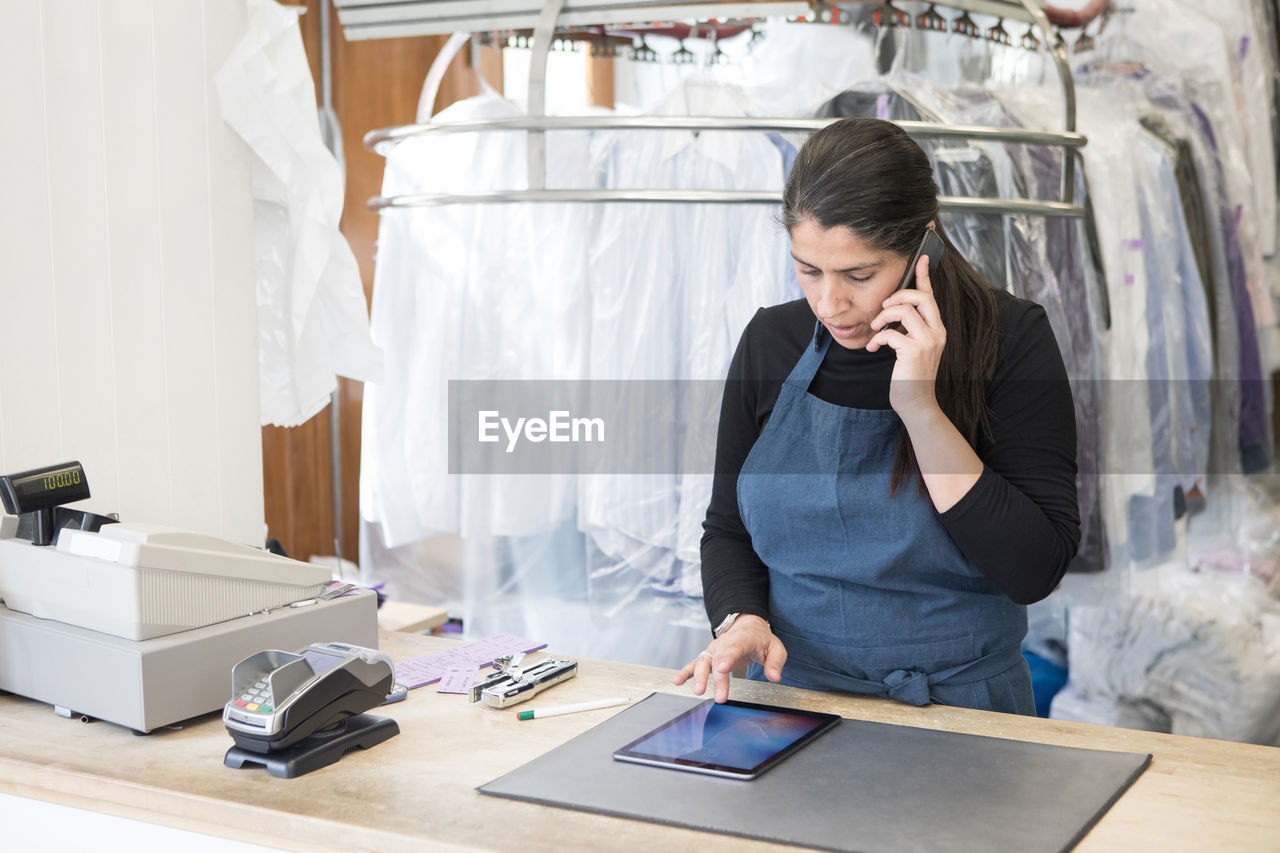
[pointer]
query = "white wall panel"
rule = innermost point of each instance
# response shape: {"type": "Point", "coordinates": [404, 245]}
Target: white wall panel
{"type": "Point", "coordinates": [135, 271]}
{"type": "Point", "coordinates": [30, 420]}
{"type": "Point", "coordinates": [183, 151]}
{"type": "Point", "coordinates": [81, 257]}
{"type": "Point", "coordinates": [126, 260]}
{"type": "Point", "coordinates": [233, 264]}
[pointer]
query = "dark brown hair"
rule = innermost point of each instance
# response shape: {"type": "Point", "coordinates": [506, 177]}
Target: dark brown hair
{"type": "Point", "coordinates": [868, 176]}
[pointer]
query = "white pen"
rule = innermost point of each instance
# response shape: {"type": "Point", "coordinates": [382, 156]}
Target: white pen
{"type": "Point", "coordinates": [569, 709]}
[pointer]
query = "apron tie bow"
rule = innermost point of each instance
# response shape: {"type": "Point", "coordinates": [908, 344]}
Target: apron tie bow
{"type": "Point", "coordinates": [908, 686]}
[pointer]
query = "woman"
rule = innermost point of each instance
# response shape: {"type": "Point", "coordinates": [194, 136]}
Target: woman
{"type": "Point", "coordinates": [885, 507]}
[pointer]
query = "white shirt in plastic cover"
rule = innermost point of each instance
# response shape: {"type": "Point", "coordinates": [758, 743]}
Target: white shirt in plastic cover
{"type": "Point", "coordinates": [672, 288]}
{"type": "Point", "coordinates": [470, 292]}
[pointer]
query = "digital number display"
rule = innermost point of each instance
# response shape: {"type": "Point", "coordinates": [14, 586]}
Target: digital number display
{"type": "Point", "coordinates": [60, 480]}
{"type": "Point", "coordinates": [43, 488]}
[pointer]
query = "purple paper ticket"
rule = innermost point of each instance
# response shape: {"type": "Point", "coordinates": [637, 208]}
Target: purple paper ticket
{"type": "Point", "coordinates": [457, 679]}
{"type": "Point", "coordinates": [428, 669]}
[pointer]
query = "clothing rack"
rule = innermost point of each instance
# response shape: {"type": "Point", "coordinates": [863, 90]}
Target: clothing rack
{"type": "Point", "coordinates": [381, 140]}
{"type": "Point", "coordinates": [377, 19]}
{"type": "Point", "coordinates": [478, 15]}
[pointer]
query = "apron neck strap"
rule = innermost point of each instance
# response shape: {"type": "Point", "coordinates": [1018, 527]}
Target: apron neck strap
{"type": "Point", "coordinates": [807, 367]}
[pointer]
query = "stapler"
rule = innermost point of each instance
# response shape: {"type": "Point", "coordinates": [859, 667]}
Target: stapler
{"type": "Point", "coordinates": [513, 684]}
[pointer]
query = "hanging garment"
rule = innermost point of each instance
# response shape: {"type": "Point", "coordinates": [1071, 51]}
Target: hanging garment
{"type": "Point", "coordinates": [1180, 359]}
{"type": "Point", "coordinates": [673, 285]}
{"type": "Point", "coordinates": [1201, 49]}
{"type": "Point", "coordinates": [1127, 434]}
{"type": "Point", "coordinates": [1199, 180]}
{"type": "Point", "coordinates": [470, 292]}
{"type": "Point", "coordinates": [1050, 261]}
{"type": "Point", "coordinates": [1191, 50]}
{"type": "Point", "coordinates": [1271, 44]}
{"type": "Point", "coordinates": [1073, 254]}
{"type": "Point", "coordinates": [905, 615]}
{"type": "Point", "coordinates": [622, 294]}
{"type": "Point", "coordinates": [312, 320]}
{"type": "Point", "coordinates": [1253, 443]}
{"type": "Point", "coordinates": [1246, 30]}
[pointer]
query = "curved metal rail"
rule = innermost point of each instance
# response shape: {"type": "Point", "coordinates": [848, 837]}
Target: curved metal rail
{"type": "Point", "coordinates": [544, 196]}
{"type": "Point", "coordinates": [380, 140]}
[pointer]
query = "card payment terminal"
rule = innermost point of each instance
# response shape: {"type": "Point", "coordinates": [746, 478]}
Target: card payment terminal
{"type": "Point", "coordinates": [280, 698]}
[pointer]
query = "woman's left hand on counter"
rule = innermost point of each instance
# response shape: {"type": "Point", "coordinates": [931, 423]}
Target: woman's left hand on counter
{"type": "Point", "coordinates": [750, 638]}
{"type": "Point", "coordinates": [918, 343]}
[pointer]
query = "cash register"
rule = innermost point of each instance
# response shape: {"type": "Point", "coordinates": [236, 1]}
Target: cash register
{"type": "Point", "coordinates": [139, 624]}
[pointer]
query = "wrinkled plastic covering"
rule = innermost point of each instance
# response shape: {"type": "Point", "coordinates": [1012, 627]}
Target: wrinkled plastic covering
{"type": "Point", "coordinates": [1158, 423]}
{"type": "Point", "coordinates": [312, 319]}
{"type": "Point", "coordinates": [1191, 645]}
{"type": "Point", "coordinates": [716, 266]}
{"type": "Point", "coordinates": [1051, 261]}
{"type": "Point", "coordinates": [469, 292]}
{"type": "Point", "coordinates": [1219, 58]}
{"type": "Point", "coordinates": [1192, 653]}
{"type": "Point", "coordinates": [794, 68]}
{"type": "Point", "coordinates": [1223, 50]}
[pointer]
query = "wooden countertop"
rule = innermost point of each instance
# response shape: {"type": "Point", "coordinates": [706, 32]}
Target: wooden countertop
{"type": "Point", "coordinates": [417, 790]}
{"type": "Point", "coordinates": [410, 618]}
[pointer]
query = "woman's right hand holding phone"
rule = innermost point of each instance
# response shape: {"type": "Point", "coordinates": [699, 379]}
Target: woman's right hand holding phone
{"type": "Point", "coordinates": [749, 638]}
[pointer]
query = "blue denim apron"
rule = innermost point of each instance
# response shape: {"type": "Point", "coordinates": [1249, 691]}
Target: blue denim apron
{"type": "Point", "coordinates": [867, 592]}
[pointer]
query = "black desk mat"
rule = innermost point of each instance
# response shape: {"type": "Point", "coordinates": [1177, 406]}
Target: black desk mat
{"type": "Point", "coordinates": [861, 786]}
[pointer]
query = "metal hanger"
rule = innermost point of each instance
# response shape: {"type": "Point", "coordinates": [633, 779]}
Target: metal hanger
{"type": "Point", "coordinates": [965, 26]}
{"type": "Point", "coordinates": [930, 20]}
{"type": "Point", "coordinates": [999, 34]}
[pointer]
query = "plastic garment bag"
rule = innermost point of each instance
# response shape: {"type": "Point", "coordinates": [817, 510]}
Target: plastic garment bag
{"type": "Point", "coordinates": [1205, 50]}
{"type": "Point", "coordinates": [1127, 431]}
{"type": "Point", "coordinates": [1180, 361]}
{"type": "Point", "coordinates": [1192, 653]}
{"type": "Point", "coordinates": [793, 68]}
{"type": "Point", "coordinates": [1051, 261]}
{"type": "Point", "coordinates": [1246, 35]}
{"type": "Point", "coordinates": [467, 292]}
{"type": "Point", "coordinates": [672, 288]}
{"type": "Point", "coordinates": [1254, 441]}
{"type": "Point", "coordinates": [312, 320]}
{"type": "Point", "coordinates": [1173, 120]}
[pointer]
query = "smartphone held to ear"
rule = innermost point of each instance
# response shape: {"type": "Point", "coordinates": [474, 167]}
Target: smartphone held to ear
{"type": "Point", "coordinates": [932, 246]}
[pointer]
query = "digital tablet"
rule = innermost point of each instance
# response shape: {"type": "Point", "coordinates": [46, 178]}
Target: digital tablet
{"type": "Point", "coordinates": [740, 740]}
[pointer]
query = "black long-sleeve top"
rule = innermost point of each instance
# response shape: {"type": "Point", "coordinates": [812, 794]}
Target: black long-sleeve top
{"type": "Point", "coordinates": [1019, 524]}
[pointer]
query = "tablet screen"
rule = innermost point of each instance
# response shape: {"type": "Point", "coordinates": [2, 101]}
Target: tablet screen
{"type": "Point", "coordinates": [738, 739]}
